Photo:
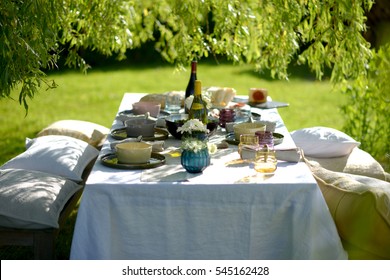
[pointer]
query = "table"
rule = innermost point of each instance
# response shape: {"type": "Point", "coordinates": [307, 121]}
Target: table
{"type": "Point", "coordinates": [127, 214]}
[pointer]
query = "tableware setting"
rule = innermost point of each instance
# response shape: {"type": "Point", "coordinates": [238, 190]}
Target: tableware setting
{"type": "Point", "coordinates": [132, 155]}
{"type": "Point", "coordinates": [111, 160]}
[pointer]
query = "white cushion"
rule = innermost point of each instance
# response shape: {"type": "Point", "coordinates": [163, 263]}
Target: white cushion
{"type": "Point", "coordinates": [59, 155]}
{"type": "Point", "coordinates": [357, 162]}
{"type": "Point", "coordinates": [323, 142]}
{"type": "Point", "coordinates": [32, 199]}
{"type": "Point", "coordinates": [92, 133]}
{"type": "Point", "coordinates": [360, 207]}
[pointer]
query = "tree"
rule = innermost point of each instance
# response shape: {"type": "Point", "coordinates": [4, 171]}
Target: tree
{"type": "Point", "coordinates": [270, 34]}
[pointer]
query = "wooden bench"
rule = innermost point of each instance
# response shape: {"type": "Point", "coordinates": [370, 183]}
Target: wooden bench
{"type": "Point", "coordinates": [43, 240]}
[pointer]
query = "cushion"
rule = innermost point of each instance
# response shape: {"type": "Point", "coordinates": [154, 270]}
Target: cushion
{"type": "Point", "coordinates": [59, 155]}
{"type": "Point", "coordinates": [323, 142]}
{"type": "Point", "coordinates": [33, 199]}
{"type": "Point", "coordinates": [92, 133]}
{"type": "Point", "coordinates": [357, 162]}
{"type": "Point", "coordinates": [360, 207]}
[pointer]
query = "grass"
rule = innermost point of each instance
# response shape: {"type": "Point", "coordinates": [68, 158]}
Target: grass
{"type": "Point", "coordinates": [96, 96]}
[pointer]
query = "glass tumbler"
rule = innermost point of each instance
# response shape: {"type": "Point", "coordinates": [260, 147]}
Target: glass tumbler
{"type": "Point", "coordinates": [265, 162]}
{"type": "Point", "coordinates": [226, 116]}
{"type": "Point", "coordinates": [265, 138]}
{"type": "Point", "coordinates": [248, 146]}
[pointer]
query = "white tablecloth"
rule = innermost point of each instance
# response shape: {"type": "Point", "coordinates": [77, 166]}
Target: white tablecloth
{"type": "Point", "coordinates": [127, 214]}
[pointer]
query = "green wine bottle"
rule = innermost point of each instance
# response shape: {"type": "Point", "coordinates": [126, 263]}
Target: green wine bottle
{"type": "Point", "coordinates": [198, 108]}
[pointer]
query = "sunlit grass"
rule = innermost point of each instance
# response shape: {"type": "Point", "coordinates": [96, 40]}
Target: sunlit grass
{"type": "Point", "coordinates": [96, 96]}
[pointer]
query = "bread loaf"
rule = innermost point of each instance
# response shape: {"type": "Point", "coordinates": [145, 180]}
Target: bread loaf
{"type": "Point", "coordinates": [155, 97]}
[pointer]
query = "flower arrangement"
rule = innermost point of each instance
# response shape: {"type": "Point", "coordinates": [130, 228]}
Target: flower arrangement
{"type": "Point", "coordinates": [193, 125]}
{"type": "Point", "coordinates": [196, 145]}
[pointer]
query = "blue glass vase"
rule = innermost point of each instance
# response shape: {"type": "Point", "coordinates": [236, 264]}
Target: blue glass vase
{"type": "Point", "coordinates": [195, 162]}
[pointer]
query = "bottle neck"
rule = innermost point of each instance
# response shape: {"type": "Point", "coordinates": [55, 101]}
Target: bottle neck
{"type": "Point", "coordinates": [198, 88]}
{"type": "Point", "coordinates": [193, 67]}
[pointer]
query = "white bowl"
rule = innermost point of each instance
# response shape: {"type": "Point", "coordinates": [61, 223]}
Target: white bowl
{"type": "Point", "coordinates": [247, 128]}
{"type": "Point", "coordinates": [133, 152]}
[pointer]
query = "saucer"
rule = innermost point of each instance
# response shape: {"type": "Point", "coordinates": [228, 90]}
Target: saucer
{"type": "Point", "coordinates": [159, 134]}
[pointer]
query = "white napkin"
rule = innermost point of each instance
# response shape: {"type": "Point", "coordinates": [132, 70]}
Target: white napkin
{"type": "Point", "coordinates": [290, 155]}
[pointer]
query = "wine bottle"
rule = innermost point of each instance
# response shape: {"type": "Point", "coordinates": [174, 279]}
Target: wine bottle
{"type": "Point", "coordinates": [198, 108]}
{"type": "Point", "coordinates": [191, 83]}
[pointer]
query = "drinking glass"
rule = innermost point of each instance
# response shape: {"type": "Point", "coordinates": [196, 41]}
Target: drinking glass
{"type": "Point", "coordinates": [173, 101]}
{"type": "Point", "coordinates": [265, 138]}
{"type": "Point", "coordinates": [248, 146]}
{"type": "Point", "coordinates": [265, 162]}
{"type": "Point", "coordinates": [243, 114]}
{"type": "Point", "coordinates": [226, 115]}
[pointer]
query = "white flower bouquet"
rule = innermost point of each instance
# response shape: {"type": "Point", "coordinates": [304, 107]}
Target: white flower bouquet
{"type": "Point", "coordinates": [193, 125]}
{"type": "Point", "coordinates": [196, 145]}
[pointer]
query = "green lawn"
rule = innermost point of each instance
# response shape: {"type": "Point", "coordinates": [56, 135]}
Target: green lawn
{"type": "Point", "coordinates": [96, 96]}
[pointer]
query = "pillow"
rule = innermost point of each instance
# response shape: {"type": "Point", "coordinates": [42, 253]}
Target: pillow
{"type": "Point", "coordinates": [360, 207]}
{"type": "Point", "coordinates": [323, 142]}
{"type": "Point", "coordinates": [357, 162]}
{"type": "Point", "coordinates": [33, 199]}
{"type": "Point", "coordinates": [59, 155]}
{"type": "Point", "coordinates": [92, 133]}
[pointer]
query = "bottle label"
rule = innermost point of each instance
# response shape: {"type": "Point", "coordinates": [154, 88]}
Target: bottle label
{"type": "Point", "coordinates": [197, 106]}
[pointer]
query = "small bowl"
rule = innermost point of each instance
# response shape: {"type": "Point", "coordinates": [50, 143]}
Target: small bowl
{"type": "Point", "coordinates": [133, 152]}
{"type": "Point", "coordinates": [143, 107]}
{"type": "Point", "coordinates": [174, 121]}
{"type": "Point", "coordinates": [247, 128]}
{"type": "Point", "coordinates": [140, 127]}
